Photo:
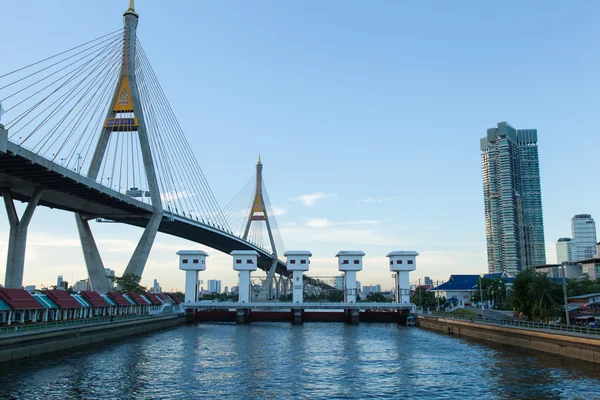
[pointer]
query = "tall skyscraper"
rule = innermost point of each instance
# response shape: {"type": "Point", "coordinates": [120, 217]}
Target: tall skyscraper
{"type": "Point", "coordinates": [564, 250]}
{"type": "Point", "coordinates": [583, 229]}
{"type": "Point", "coordinates": [214, 286]}
{"type": "Point", "coordinates": [513, 199]}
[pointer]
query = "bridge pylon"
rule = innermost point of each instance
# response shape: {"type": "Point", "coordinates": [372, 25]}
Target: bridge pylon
{"type": "Point", "coordinates": [259, 213]}
{"type": "Point", "coordinates": [125, 115]}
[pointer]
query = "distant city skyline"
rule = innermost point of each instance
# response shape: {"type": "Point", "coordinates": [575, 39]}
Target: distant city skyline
{"type": "Point", "coordinates": [367, 127]}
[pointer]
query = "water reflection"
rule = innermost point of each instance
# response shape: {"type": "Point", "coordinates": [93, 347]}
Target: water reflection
{"type": "Point", "coordinates": [278, 360]}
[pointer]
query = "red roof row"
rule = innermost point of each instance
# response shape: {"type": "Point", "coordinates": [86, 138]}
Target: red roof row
{"type": "Point", "coordinates": [62, 299]}
{"type": "Point", "coordinates": [118, 298]}
{"type": "Point", "coordinates": [19, 299]}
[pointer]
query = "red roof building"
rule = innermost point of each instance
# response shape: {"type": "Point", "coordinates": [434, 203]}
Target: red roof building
{"type": "Point", "coordinates": [174, 298]}
{"type": "Point", "coordinates": [137, 298]}
{"type": "Point", "coordinates": [62, 299]}
{"type": "Point", "coordinates": [153, 299]}
{"type": "Point", "coordinates": [19, 299]}
{"type": "Point", "coordinates": [118, 298]}
{"type": "Point", "coordinates": [94, 299]}
{"type": "Point", "coordinates": [164, 297]}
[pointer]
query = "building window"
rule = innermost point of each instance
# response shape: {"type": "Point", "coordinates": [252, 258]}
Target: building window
{"type": "Point", "coordinates": [249, 261]}
{"type": "Point", "coordinates": [302, 261]}
{"type": "Point", "coordinates": [292, 261]}
{"type": "Point", "coordinates": [356, 261]}
{"type": "Point", "coordinates": [391, 262]}
{"type": "Point", "coordinates": [345, 262]}
{"type": "Point", "coordinates": [238, 261]}
{"type": "Point", "coordinates": [184, 261]}
{"type": "Point", "coordinates": [398, 261]}
{"type": "Point", "coordinates": [202, 261]}
{"type": "Point", "coordinates": [195, 261]}
{"type": "Point", "coordinates": [409, 262]}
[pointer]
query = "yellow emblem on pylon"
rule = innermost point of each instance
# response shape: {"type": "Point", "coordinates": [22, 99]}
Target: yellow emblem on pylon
{"type": "Point", "coordinates": [258, 207]}
{"type": "Point", "coordinates": [123, 102]}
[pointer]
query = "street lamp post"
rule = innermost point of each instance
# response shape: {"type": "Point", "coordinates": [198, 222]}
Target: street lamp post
{"type": "Point", "coordinates": [481, 296]}
{"type": "Point", "coordinates": [564, 284]}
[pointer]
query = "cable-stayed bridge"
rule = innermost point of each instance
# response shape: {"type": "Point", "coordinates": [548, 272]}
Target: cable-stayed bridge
{"type": "Point", "coordinates": [89, 130]}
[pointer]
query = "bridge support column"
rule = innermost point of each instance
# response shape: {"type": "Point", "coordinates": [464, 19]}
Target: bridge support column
{"type": "Point", "coordinates": [17, 242]}
{"type": "Point", "coordinates": [142, 251]}
{"type": "Point", "coordinates": [353, 316]}
{"type": "Point", "coordinates": [93, 262]}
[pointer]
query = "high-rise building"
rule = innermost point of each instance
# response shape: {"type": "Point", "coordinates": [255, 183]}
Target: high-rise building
{"type": "Point", "coordinates": [214, 286]}
{"type": "Point", "coordinates": [512, 194]}
{"type": "Point", "coordinates": [30, 288]}
{"type": "Point", "coordinates": [110, 274]}
{"type": "Point", "coordinates": [368, 289]}
{"type": "Point", "coordinates": [226, 290]}
{"type": "Point", "coordinates": [59, 282]}
{"type": "Point", "coordinates": [428, 281]}
{"type": "Point", "coordinates": [583, 229]}
{"type": "Point", "coordinates": [564, 250]}
{"type": "Point", "coordinates": [83, 284]}
{"type": "Point", "coordinates": [156, 287]}
{"type": "Point", "coordinates": [598, 249]}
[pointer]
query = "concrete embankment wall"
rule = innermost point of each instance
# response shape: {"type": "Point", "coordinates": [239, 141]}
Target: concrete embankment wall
{"type": "Point", "coordinates": [581, 348]}
{"type": "Point", "coordinates": [14, 347]}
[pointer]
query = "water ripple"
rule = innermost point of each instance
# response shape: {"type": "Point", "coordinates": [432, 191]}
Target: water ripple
{"type": "Point", "coordinates": [312, 361]}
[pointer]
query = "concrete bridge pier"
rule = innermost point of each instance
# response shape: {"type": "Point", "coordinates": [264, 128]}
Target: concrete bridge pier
{"type": "Point", "coordinates": [142, 251]}
{"type": "Point", "coordinates": [93, 262]}
{"type": "Point", "coordinates": [17, 242]}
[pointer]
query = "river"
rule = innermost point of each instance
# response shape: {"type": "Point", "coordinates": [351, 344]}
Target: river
{"type": "Point", "coordinates": [310, 361]}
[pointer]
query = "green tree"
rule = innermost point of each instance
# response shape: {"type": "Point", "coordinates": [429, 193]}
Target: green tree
{"type": "Point", "coordinates": [536, 296]}
{"type": "Point", "coordinates": [424, 298]}
{"type": "Point", "coordinates": [130, 283]}
{"type": "Point", "coordinates": [544, 296]}
{"type": "Point", "coordinates": [376, 298]}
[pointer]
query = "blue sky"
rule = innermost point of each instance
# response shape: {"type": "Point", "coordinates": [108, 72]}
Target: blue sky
{"type": "Point", "coordinates": [374, 109]}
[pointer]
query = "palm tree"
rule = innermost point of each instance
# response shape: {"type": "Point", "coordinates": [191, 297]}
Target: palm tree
{"type": "Point", "coordinates": [543, 298]}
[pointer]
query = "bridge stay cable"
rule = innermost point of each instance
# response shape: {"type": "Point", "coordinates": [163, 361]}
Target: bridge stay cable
{"type": "Point", "coordinates": [99, 110]}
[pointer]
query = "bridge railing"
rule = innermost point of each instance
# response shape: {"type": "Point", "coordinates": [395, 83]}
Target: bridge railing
{"type": "Point", "coordinates": [516, 323]}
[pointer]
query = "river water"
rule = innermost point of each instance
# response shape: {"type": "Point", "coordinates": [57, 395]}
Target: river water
{"type": "Point", "coordinates": [310, 361]}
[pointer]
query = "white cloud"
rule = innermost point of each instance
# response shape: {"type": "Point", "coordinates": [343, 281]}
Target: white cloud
{"type": "Point", "coordinates": [318, 223]}
{"type": "Point", "coordinates": [278, 211]}
{"type": "Point", "coordinates": [311, 198]}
